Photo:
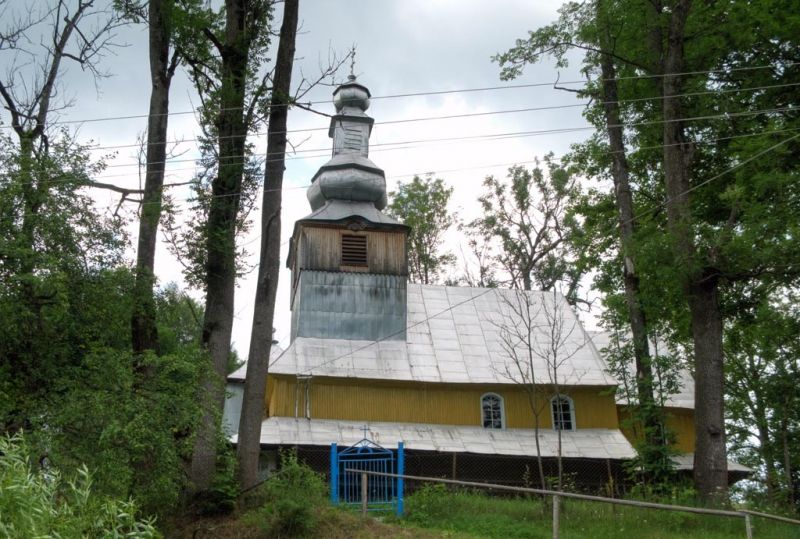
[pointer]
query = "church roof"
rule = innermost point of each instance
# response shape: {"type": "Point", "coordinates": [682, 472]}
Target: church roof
{"type": "Point", "coordinates": [580, 443]}
{"type": "Point", "coordinates": [684, 398]}
{"type": "Point", "coordinates": [461, 335]}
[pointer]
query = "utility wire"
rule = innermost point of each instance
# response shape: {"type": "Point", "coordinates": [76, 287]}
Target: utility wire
{"type": "Point", "coordinates": [281, 155]}
{"type": "Point", "coordinates": [456, 116]}
{"type": "Point", "coordinates": [439, 92]}
{"type": "Point", "coordinates": [612, 229]}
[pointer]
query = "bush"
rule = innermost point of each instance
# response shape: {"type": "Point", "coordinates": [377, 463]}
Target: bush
{"type": "Point", "coordinates": [292, 499]}
{"type": "Point", "coordinates": [41, 503]}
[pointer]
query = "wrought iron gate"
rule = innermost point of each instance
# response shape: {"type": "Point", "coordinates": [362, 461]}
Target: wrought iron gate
{"type": "Point", "coordinates": [383, 493]}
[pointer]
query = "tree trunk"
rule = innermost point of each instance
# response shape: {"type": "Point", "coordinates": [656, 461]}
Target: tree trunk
{"type": "Point", "coordinates": [144, 334]}
{"type": "Point", "coordinates": [701, 285]}
{"type": "Point", "coordinates": [221, 236]}
{"type": "Point", "coordinates": [648, 411]}
{"type": "Point", "coordinates": [269, 265]}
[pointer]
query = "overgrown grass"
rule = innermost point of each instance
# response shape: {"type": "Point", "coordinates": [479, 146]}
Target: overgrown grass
{"type": "Point", "coordinates": [480, 515]}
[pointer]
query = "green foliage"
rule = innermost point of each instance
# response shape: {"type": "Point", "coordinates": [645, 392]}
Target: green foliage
{"type": "Point", "coordinates": [134, 433]}
{"type": "Point", "coordinates": [526, 227]}
{"type": "Point", "coordinates": [291, 500]}
{"type": "Point", "coordinates": [43, 503]}
{"type": "Point", "coordinates": [422, 205]}
{"type": "Point", "coordinates": [477, 514]}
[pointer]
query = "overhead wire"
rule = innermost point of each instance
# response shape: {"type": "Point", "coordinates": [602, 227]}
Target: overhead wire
{"type": "Point", "coordinates": [514, 134]}
{"type": "Point", "coordinates": [443, 92]}
{"type": "Point", "coordinates": [759, 154]}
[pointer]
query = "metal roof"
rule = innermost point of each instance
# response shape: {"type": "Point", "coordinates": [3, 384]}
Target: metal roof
{"type": "Point", "coordinates": [686, 462]}
{"type": "Point", "coordinates": [461, 335]}
{"type": "Point", "coordinates": [239, 374]}
{"type": "Point", "coordinates": [581, 443]}
{"type": "Point", "coordinates": [684, 398]}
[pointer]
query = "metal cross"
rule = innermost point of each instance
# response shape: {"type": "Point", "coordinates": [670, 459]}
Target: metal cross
{"type": "Point", "coordinates": [352, 62]}
{"type": "Point", "coordinates": [365, 428]}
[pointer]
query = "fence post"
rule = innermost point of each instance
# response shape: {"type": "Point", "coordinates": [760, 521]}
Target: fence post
{"type": "Point", "coordinates": [364, 501]}
{"type": "Point", "coordinates": [748, 526]}
{"type": "Point", "coordinates": [334, 475]}
{"type": "Point", "coordinates": [401, 470]}
{"type": "Point", "coordinates": [556, 531]}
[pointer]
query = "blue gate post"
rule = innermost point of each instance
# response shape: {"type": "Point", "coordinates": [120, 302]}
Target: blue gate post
{"type": "Point", "coordinates": [401, 470]}
{"type": "Point", "coordinates": [334, 475]}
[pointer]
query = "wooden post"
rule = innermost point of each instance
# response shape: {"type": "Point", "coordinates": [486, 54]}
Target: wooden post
{"type": "Point", "coordinates": [364, 500]}
{"type": "Point", "coordinates": [455, 456]}
{"type": "Point", "coordinates": [556, 531]}
{"type": "Point", "coordinates": [748, 526]}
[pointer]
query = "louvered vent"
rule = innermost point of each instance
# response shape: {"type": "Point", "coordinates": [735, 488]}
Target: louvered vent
{"type": "Point", "coordinates": [354, 250]}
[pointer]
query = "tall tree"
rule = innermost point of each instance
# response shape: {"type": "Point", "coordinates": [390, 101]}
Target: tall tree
{"type": "Point", "coordinates": [249, 443]}
{"type": "Point", "coordinates": [422, 205]}
{"type": "Point", "coordinates": [245, 33]}
{"type": "Point", "coordinates": [526, 224]}
{"type": "Point", "coordinates": [687, 158]}
{"type": "Point", "coordinates": [162, 18]}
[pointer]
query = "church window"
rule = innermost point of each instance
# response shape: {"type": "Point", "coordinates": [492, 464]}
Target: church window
{"type": "Point", "coordinates": [354, 250]}
{"type": "Point", "coordinates": [563, 413]}
{"type": "Point", "coordinates": [492, 411]}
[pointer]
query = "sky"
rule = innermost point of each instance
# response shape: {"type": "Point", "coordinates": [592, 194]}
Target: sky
{"type": "Point", "coordinates": [402, 46]}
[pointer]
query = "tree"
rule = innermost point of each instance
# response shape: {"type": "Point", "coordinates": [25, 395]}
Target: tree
{"type": "Point", "coordinates": [229, 73]}
{"type": "Point", "coordinates": [686, 157]}
{"type": "Point", "coordinates": [539, 339]}
{"type": "Point", "coordinates": [526, 224]}
{"type": "Point", "coordinates": [165, 20]}
{"type": "Point", "coordinates": [248, 449]}
{"type": "Point", "coordinates": [422, 205]}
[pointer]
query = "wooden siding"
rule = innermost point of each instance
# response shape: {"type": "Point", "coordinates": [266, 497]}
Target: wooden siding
{"type": "Point", "coordinates": [321, 249]}
{"type": "Point", "coordinates": [445, 404]}
{"type": "Point", "coordinates": [679, 420]}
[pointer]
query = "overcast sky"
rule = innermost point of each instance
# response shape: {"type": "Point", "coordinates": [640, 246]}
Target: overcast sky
{"type": "Point", "coordinates": [403, 46]}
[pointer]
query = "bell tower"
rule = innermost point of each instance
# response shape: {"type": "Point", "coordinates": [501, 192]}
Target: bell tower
{"type": "Point", "coordinates": [348, 260]}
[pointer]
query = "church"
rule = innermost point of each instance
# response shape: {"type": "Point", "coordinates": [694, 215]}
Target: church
{"type": "Point", "coordinates": [466, 378]}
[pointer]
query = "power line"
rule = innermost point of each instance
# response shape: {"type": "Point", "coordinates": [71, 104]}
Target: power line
{"type": "Point", "coordinates": [277, 156]}
{"type": "Point", "coordinates": [472, 298]}
{"type": "Point", "coordinates": [464, 115]}
{"type": "Point", "coordinates": [438, 92]}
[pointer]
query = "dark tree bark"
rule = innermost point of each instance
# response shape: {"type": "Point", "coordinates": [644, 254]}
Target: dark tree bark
{"type": "Point", "coordinates": [220, 271]}
{"type": "Point", "coordinates": [651, 418]}
{"type": "Point", "coordinates": [143, 320]}
{"type": "Point", "coordinates": [248, 448]}
{"type": "Point", "coordinates": [701, 282]}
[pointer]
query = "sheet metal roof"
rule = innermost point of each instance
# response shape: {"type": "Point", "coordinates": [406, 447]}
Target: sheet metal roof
{"type": "Point", "coordinates": [239, 374]}
{"type": "Point", "coordinates": [581, 443]}
{"type": "Point", "coordinates": [686, 462]}
{"type": "Point", "coordinates": [684, 398]}
{"type": "Point", "coordinates": [459, 335]}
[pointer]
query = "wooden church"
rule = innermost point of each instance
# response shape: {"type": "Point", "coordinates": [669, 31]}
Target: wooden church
{"type": "Point", "coordinates": [446, 370]}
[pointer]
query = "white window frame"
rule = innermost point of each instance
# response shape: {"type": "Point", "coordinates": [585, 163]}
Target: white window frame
{"type": "Point", "coordinates": [571, 412]}
{"type": "Point", "coordinates": [502, 410]}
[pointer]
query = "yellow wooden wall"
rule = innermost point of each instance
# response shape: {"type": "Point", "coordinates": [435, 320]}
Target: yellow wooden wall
{"type": "Point", "coordinates": [408, 402]}
{"type": "Point", "coordinates": [679, 420]}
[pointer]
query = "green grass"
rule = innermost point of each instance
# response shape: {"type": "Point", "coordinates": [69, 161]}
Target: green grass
{"type": "Point", "coordinates": [480, 515]}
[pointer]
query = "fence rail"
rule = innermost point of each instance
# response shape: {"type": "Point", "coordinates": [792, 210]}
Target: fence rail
{"type": "Point", "coordinates": [557, 495]}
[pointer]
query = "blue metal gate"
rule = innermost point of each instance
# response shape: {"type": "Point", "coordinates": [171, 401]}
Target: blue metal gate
{"type": "Point", "coordinates": [347, 465]}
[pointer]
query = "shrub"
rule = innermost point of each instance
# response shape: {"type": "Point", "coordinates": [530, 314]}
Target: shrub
{"type": "Point", "coordinates": [292, 499]}
{"type": "Point", "coordinates": [42, 503]}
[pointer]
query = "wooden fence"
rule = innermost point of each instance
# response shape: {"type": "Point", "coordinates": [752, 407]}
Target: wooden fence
{"type": "Point", "coordinates": [557, 495]}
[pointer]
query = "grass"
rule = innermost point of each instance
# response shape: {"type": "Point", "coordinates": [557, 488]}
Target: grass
{"type": "Point", "coordinates": [475, 514]}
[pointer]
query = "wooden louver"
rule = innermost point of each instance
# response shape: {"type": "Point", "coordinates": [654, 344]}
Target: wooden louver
{"type": "Point", "coordinates": [354, 250]}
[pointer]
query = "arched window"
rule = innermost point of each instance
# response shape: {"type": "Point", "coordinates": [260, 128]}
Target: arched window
{"type": "Point", "coordinates": [492, 412]}
{"type": "Point", "coordinates": [563, 411]}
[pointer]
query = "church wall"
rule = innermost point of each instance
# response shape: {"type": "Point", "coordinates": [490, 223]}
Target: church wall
{"type": "Point", "coordinates": [679, 420]}
{"type": "Point", "coordinates": [320, 249]}
{"type": "Point", "coordinates": [447, 404]}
